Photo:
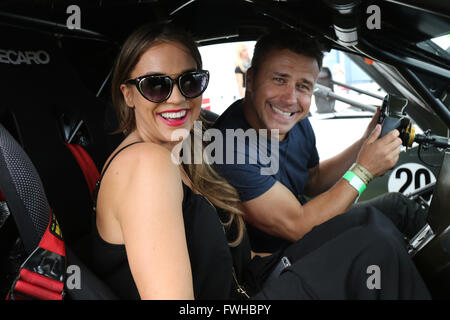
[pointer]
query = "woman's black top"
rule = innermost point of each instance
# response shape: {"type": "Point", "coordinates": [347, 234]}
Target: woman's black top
{"type": "Point", "coordinates": [209, 253]}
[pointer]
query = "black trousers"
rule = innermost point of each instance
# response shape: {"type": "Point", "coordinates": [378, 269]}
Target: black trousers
{"type": "Point", "coordinates": [360, 254]}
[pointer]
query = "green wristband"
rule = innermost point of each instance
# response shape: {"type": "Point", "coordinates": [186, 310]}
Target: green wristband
{"type": "Point", "coordinates": [355, 181]}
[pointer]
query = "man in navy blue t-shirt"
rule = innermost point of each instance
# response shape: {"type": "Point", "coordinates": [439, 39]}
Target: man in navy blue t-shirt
{"type": "Point", "coordinates": [296, 155]}
{"type": "Point", "coordinates": [280, 83]}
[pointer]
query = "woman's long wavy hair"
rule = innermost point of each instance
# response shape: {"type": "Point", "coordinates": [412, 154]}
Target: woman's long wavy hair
{"type": "Point", "coordinates": [204, 178]}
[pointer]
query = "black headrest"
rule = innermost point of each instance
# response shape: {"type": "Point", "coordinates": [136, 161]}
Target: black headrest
{"type": "Point", "coordinates": [28, 64]}
{"type": "Point", "coordinates": [37, 77]}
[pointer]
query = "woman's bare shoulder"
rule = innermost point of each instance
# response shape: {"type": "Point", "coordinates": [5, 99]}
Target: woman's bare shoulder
{"type": "Point", "coordinates": [137, 180]}
{"type": "Point", "coordinates": [144, 158]}
{"type": "Point", "coordinates": [142, 166]}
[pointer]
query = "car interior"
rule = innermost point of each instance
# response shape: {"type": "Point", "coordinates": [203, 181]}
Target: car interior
{"type": "Point", "coordinates": [56, 118]}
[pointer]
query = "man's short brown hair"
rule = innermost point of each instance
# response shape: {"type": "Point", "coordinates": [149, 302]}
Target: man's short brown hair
{"type": "Point", "coordinates": [280, 39]}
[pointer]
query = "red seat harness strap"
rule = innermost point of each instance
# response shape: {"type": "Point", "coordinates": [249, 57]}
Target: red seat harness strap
{"type": "Point", "coordinates": [87, 165]}
{"type": "Point", "coordinates": [42, 275]}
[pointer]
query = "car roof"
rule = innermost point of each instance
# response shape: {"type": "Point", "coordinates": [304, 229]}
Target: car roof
{"type": "Point", "coordinates": [409, 21]}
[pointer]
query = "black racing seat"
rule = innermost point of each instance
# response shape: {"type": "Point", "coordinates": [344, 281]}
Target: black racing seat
{"type": "Point", "coordinates": [44, 104]}
{"type": "Point", "coordinates": [28, 205]}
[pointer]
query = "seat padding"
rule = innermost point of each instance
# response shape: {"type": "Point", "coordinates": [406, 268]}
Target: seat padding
{"type": "Point", "coordinates": [28, 204]}
{"type": "Point", "coordinates": [23, 191]}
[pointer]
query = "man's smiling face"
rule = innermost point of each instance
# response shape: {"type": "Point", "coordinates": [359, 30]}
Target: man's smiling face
{"type": "Point", "coordinates": [279, 92]}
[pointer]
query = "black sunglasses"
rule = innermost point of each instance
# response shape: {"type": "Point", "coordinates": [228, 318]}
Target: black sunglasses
{"type": "Point", "coordinates": [158, 88]}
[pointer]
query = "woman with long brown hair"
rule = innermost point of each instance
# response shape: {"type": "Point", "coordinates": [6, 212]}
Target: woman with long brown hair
{"type": "Point", "coordinates": [158, 235]}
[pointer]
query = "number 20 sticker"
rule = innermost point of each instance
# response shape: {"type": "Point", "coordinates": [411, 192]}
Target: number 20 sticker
{"type": "Point", "coordinates": [409, 177]}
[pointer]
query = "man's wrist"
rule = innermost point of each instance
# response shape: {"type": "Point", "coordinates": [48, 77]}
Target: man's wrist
{"type": "Point", "coordinates": [362, 173]}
